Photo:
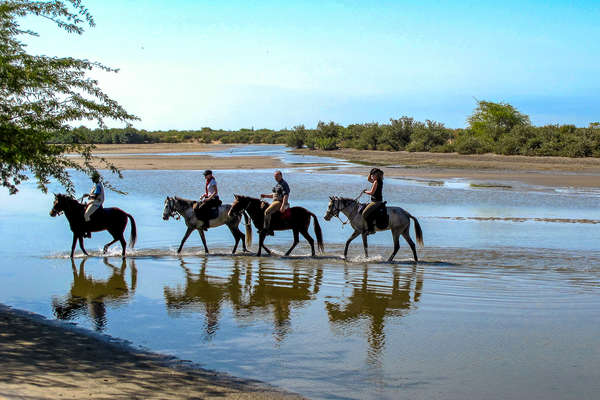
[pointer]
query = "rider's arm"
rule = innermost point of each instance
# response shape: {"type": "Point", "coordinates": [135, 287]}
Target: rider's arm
{"type": "Point", "coordinates": [267, 195]}
{"type": "Point", "coordinates": [284, 203]}
{"type": "Point", "coordinates": [210, 196]}
{"type": "Point", "coordinates": [373, 188]}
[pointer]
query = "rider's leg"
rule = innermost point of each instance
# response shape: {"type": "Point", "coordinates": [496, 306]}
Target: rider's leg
{"type": "Point", "coordinates": [91, 207]}
{"type": "Point", "coordinates": [274, 207]}
{"type": "Point", "coordinates": [368, 213]}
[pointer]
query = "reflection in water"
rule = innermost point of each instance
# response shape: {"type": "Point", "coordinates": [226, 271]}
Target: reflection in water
{"type": "Point", "coordinates": [270, 290]}
{"type": "Point", "coordinates": [90, 296]}
{"type": "Point", "coordinates": [370, 299]}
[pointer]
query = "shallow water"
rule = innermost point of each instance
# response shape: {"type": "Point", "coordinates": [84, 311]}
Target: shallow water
{"type": "Point", "coordinates": [503, 304]}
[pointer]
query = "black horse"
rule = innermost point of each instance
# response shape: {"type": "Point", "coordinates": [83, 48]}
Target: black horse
{"type": "Point", "coordinates": [296, 218]}
{"type": "Point", "coordinates": [112, 219]}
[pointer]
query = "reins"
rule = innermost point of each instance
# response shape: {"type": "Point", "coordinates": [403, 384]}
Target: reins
{"type": "Point", "coordinates": [352, 214]}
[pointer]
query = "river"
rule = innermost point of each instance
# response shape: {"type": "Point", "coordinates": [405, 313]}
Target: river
{"type": "Point", "coordinates": [503, 303]}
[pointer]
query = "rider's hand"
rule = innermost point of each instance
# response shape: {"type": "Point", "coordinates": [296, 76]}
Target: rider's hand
{"type": "Point", "coordinates": [282, 208]}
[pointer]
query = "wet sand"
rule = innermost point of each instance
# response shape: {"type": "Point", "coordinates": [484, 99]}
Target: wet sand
{"type": "Point", "coordinates": [542, 171]}
{"type": "Point", "coordinates": [42, 360]}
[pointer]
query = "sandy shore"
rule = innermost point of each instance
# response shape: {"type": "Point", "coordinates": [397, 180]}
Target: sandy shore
{"type": "Point", "coordinates": [487, 168]}
{"type": "Point", "coordinates": [41, 359]}
{"type": "Point", "coordinates": [542, 171]}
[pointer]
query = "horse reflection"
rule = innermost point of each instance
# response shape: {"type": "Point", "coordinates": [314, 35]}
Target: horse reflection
{"type": "Point", "coordinates": [89, 296]}
{"type": "Point", "coordinates": [251, 295]}
{"type": "Point", "coordinates": [376, 302]}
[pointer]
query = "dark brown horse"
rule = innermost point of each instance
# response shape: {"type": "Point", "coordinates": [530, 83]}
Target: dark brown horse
{"type": "Point", "coordinates": [296, 218]}
{"type": "Point", "coordinates": [114, 220]}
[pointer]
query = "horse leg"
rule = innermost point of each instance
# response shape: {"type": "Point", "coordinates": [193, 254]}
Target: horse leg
{"type": "Point", "coordinates": [123, 244]}
{"type": "Point", "coordinates": [396, 237]}
{"type": "Point", "coordinates": [107, 245]}
{"type": "Point", "coordinates": [296, 240]}
{"type": "Point", "coordinates": [236, 236]}
{"type": "Point", "coordinates": [261, 244]}
{"type": "Point", "coordinates": [187, 234]}
{"type": "Point", "coordinates": [365, 245]}
{"type": "Point", "coordinates": [81, 246]}
{"type": "Point", "coordinates": [73, 245]}
{"type": "Point", "coordinates": [350, 239]}
{"type": "Point", "coordinates": [201, 232]}
{"type": "Point", "coordinates": [310, 241]}
{"type": "Point", "coordinates": [406, 235]}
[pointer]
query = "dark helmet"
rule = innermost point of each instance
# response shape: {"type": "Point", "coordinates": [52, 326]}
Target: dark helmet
{"type": "Point", "coordinates": [207, 172]}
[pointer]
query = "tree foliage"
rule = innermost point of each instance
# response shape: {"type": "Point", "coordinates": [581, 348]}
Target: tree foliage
{"type": "Point", "coordinates": [41, 96]}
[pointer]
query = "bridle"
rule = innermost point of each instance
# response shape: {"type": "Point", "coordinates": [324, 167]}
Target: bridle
{"type": "Point", "coordinates": [172, 212]}
{"type": "Point", "coordinates": [336, 211]}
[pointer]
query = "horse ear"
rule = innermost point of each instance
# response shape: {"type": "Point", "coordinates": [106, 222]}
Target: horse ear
{"type": "Point", "coordinates": [236, 196]}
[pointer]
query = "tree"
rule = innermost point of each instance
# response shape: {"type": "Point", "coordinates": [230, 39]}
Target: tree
{"type": "Point", "coordinates": [40, 96]}
{"type": "Point", "coordinates": [492, 120]}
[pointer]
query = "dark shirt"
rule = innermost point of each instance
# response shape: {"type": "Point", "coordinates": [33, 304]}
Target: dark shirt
{"type": "Point", "coordinates": [378, 194]}
{"type": "Point", "coordinates": [280, 190]}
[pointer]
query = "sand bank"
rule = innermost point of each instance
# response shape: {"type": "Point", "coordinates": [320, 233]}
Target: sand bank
{"type": "Point", "coordinates": [542, 171]}
{"type": "Point", "coordinates": [41, 359]}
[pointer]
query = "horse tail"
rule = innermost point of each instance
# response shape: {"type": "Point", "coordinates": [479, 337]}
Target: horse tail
{"type": "Point", "coordinates": [248, 224]}
{"type": "Point", "coordinates": [418, 230]}
{"type": "Point", "coordinates": [133, 236]}
{"type": "Point", "coordinates": [318, 233]}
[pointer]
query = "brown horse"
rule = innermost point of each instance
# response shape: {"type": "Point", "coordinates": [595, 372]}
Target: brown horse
{"type": "Point", "coordinates": [296, 218]}
{"type": "Point", "coordinates": [112, 219]}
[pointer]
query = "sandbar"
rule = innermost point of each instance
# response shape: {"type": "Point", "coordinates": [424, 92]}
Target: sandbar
{"type": "Point", "coordinates": [42, 359]}
{"type": "Point", "coordinates": [538, 171]}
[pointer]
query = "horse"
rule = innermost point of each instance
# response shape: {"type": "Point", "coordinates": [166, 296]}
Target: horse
{"type": "Point", "coordinates": [399, 224]}
{"type": "Point", "coordinates": [177, 207]}
{"type": "Point", "coordinates": [296, 218]}
{"type": "Point", "coordinates": [112, 219]}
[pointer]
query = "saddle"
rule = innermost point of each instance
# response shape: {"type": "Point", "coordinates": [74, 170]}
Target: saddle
{"type": "Point", "coordinates": [382, 219]}
{"type": "Point", "coordinates": [209, 213]}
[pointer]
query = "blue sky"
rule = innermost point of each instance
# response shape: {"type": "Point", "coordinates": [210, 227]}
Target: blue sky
{"type": "Point", "coordinates": [231, 64]}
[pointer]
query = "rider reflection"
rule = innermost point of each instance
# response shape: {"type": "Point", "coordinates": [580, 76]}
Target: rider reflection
{"type": "Point", "coordinates": [90, 297]}
{"type": "Point", "coordinates": [375, 302]}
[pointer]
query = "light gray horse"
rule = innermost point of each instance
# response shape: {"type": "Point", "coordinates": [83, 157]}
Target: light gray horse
{"type": "Point", "coordinates": [399, 223]}
{"type": "Point", "coordinates": [177, 207]}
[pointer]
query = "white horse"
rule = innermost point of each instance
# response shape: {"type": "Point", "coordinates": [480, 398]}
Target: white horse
{"type": "Point", "coordinates": [177, 207]}
{"type": "Point", "coordinates": [399, 224]}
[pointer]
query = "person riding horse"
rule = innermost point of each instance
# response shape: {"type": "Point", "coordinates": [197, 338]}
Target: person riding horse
{"type": "Point", "coordinates": [376, 193]}
{"type": "Point", "coordinates": [95, 199]}
{"type": "Point", "coordinates": [280, 196]}
{"type": "Point", "coordinates": [208, 200]}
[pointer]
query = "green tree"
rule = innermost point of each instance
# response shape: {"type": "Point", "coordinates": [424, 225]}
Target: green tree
{"type": "Point", "coordinates": [492, 120]}
{"type": "Point", "coordinates": [41, 96]}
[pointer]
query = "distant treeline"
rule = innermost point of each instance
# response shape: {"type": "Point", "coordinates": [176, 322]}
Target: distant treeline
{"type": "Point", "coordinates": [492, 128]}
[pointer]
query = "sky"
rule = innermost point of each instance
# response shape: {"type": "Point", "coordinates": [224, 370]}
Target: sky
{"type": "Point", "coordinates": [188, 64]}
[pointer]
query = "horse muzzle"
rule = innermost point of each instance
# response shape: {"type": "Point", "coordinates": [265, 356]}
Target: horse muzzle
{"type": "Point", "coordinates": [327, 217]}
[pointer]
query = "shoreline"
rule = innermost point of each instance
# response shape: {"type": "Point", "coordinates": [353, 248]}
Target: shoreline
{"type": "Point", "coordinates": [485, 168]}
{"type": "Point", "coordinates": [48, 359]}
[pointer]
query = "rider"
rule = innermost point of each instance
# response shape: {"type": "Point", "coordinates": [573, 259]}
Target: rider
{"type": "Point", "coordinates": [208, 200]}
{"type": "Point", "coordinates": [376, 193]}
{"type": "Point", "coordinates": [96, 199]}
{"type": "Point", "coordinates": [280, 196]}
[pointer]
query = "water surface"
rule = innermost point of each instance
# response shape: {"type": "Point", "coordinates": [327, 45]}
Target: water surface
{"type": "Point", "coordinates": [503, 304]}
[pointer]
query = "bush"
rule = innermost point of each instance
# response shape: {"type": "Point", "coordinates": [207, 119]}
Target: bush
{"type": "Point", "coordinates": [325, 143]}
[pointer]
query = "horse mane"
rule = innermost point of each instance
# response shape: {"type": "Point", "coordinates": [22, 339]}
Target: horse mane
{"type": "Point", "coordinates": [182, 199]}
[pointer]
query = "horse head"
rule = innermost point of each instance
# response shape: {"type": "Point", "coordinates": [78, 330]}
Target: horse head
{"type": "Point", "coordinates": [239, 204]}
{"type": "Point", "coordinates": [169, 209]}
{"type": "Point", "coordinates": [333, 209]}
{"type": "Point", "coordinates": [60, 204]}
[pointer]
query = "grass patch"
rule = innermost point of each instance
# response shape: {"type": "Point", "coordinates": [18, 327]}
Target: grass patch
{"type": "Point", "coordinates": [490, 185]}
